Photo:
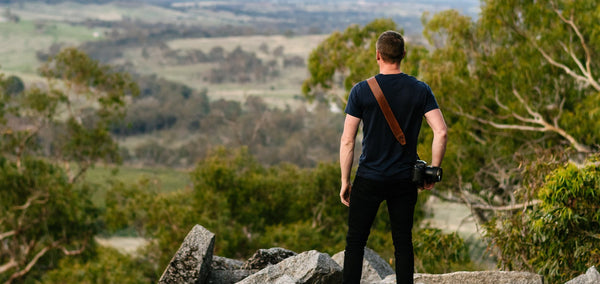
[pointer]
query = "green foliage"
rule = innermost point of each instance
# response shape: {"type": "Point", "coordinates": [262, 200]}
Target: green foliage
{"type": "Point", "coordinates": [521, 100]}
{"type": "Point", "coordinates": [351, 55]}
{"type": "Point", "coordinates": [249, 206]}
{"type": "Point", "coordinates": [47, 212]}
{"type": "Point", "coordinates": [93, 269]}
{"type": "Point", "coordinates": [559, 238]}
{"type": "Point", "coordinates": [431, 243]}
{"type": "Point", "coordinates": [42, 212]}
{"type": "Point", "coordinates": [12, 85]}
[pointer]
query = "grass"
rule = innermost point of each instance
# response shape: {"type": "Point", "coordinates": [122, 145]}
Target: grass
{"type": "Point", "coordinates": [162, 179]}
{"type": "Point", "coordinates": [42, 25]}
{"type": "Point", "coordinates": [21, 41]}
{"type": "Point", "coordinates": [280, 91]}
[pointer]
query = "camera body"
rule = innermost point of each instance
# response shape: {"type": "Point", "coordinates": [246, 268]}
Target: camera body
{"type": "Point", "coordinates": [423, 173]}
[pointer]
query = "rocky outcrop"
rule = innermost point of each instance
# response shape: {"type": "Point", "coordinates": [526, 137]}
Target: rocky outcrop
{"type": "Point", "coordinates": [590, 277]}
{"type": "Point", "coordinates": [308, 267]}
{"type": "Point", "coordinates": [191, 263]}
{"type": "Point", "coordinates": [194, 263]}
{"type": "Point", "coordinates": [265, 257]}
{"type": "Point", "coordinates": [374, 269]}
{"type": "Point", "coordinates": [479, 277]}
{"type": "Point", "coordinates": [229, 271]}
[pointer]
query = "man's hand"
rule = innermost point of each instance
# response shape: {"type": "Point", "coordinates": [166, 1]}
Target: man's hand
{"type": "Point", "coordinates": [428, 186]}
{"type": "Point", "coordinates": [345, 194]}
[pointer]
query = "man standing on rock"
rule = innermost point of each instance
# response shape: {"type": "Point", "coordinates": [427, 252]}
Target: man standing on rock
{"type": "Point", "coordinates": [386, 164]}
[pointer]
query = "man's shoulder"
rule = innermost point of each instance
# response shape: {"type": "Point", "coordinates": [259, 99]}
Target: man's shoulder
{"type": "Point", "coordinates": [416, 81]}
{"type": "Point", "coordinates": [359, 88]}
{"type": "Point", "coordinates": [360, 85]}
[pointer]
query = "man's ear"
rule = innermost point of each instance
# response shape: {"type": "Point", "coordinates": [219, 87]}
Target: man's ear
{"type": "Point", "coordinates": [404, 55]}
{"type": "Point", "coordinates": [377, 55]}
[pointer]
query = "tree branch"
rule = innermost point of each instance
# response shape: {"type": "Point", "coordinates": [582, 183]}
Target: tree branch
{"type": "Point", "coordinates": [473, 205]}
{"type": "Point", "coordinates": [7, 234]}
{"type": "Point", "coordinates": [9, 265]}
{"type": "Point", "coordinates": [536, 119]}
{"type": "Point", "coordinates": [30, 265]}
{"type": "Point", "coordinates": [507, 207]}
{"type": "Point", "coordinates": [588, 58]}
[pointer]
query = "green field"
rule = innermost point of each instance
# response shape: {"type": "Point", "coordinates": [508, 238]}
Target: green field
{"type": "Point", "coordinates": [160, 179]}
{"type": "Point", "coordinates": [42, 25]}
{"type": "Point", "coordinates": [21, 41]}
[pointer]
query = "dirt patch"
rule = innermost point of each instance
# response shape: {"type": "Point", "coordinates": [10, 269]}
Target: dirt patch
{"type": "Point", "coordinates": [126, 245]}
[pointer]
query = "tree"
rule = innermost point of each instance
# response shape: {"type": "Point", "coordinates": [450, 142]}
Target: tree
{"type": "Point", "coordinates": [519, 87]}
{"type": "Point", "coordinates": [560, 239]}
{"type": "Point", "coordinates": [46, 207]}
{"type": "Point", "coordinates": [13, 85]}
{"type": "Point", "coordinates": [522, 100]}
{"type": "Point", "coordinates": [344, 59]}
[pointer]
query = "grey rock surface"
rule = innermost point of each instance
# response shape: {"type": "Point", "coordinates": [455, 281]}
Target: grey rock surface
{"type": "Point", "coordinates": [227, 271]}
{"type": "Point", "coordinates": [479, 277]}
{"type": "Point", "coordinates": [374, 267]}
{"type": "Point", "coordinates": [265, 257]}
{"type": "Point", "coordinates": [191, 263]}
{"type": "Point", "coordinates": [228, 276]}
{"type": "Point", "coordinates": [592, 276]}
{"type": "Point", "coordinates": [308, 267]}
{"type": "Point", "coordinates": [223, 263]}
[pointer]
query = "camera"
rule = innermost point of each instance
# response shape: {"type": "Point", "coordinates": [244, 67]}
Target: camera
{"type": "Point", "coordinates": [423, 173]}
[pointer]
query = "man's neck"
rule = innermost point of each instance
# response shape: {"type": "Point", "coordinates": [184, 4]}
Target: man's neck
{"type": "Point", "coordinates": [388, 69]}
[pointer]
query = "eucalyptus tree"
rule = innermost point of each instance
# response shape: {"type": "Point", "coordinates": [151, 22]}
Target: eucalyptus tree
{"type": "Point", "coordinates": [519, 84]}
{"type": "Point", "coordinates": [522, 92]}
{"type": "Point", "coordinates": [46, 208]}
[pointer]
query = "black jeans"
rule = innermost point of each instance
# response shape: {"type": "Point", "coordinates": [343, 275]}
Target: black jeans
{"type": "Point", "coordinates": [365, 198]}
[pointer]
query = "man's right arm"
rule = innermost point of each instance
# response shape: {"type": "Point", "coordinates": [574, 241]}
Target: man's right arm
{"type": "Point", "coordinates": [435, 119]}
{"type": "Point", "coordinates": [347, 155]}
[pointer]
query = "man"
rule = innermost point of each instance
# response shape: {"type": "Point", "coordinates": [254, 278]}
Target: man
{"type": "Point", "coordinates": [385, 166]}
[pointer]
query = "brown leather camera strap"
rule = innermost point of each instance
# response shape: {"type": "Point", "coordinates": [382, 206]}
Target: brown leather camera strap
{"type": "Point", "coordinates": [387, 111]}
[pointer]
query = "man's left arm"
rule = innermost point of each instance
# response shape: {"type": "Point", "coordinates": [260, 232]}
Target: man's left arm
{"type": "Point", "coordinates": [435, 119]}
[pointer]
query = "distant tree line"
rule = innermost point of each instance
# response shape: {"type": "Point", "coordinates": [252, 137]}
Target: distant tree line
{"type": "Point", "coordinates": [299, 136]}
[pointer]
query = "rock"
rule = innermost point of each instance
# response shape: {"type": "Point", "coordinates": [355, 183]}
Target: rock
{"type": "Point", "coordinates": [191, 263]}
{"type": "Point", "coordinates": [265, 257]}
{"type": "Point", "coordinates": [223, 263]}
{"type": "Point", "coordinates": [390, 279]}
{"type": "Point", "coordinates": [590, 277]}
{"type": "Point", "coordinates": [227, 271]}
{"type": "Point", "coordinates": [479, 277]}
{"type": "Point", "coordinates": [307, 267]}
{"type": "Point", "coordinates": [228, 276]}
{"type": "Point", "coordinates": [374, 268]}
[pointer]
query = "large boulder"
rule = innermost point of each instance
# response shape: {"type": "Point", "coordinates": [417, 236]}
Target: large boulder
{"type": "Point", "coordinates": [478, 277]}
{"type": "Point", "coordinates": [223, 263]}
{"type": "Point", "coordinates": [228, 276]}
{"type": "Point", "coordinates": [307, 267]}
{"type": "Point", "coordinates": [265, 257]}
{"type": "Point", "coordinates": [374, 267]}
{"type": "Point", "coordinates": [191, 263]}
{"type": "Point", "coordinates": [590, 277]}
{"type": "Point", "coordinates": [227, 271]}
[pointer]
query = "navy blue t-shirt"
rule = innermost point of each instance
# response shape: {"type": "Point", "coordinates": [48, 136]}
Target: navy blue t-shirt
{"type": "Point", "coordinates": [383, 158]}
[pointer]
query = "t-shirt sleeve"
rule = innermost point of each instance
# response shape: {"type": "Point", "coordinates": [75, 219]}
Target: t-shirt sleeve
{"type": "Point", "coordinates": [353, 107]}
{"type": "Point", "coordinates": [430, 102]}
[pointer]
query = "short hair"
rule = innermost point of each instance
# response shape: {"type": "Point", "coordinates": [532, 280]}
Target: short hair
{"type": "Point", "coordinates": [390, 45]}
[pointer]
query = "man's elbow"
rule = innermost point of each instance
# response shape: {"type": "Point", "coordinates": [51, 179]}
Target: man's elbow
{"type": "Point", "coordinates": [347, 141]}
{"type": "Point", "coordinates": [441, 133]}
